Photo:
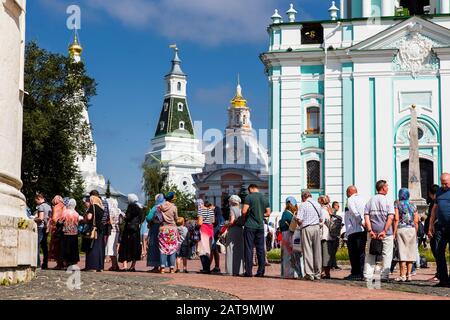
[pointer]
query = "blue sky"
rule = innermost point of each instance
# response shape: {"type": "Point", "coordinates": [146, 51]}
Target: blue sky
{"type": "Point", "coordinates": [126, 49]}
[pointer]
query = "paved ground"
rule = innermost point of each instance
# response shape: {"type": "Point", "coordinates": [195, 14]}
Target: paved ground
{"type": "Point", "coordinates": [145, 285]}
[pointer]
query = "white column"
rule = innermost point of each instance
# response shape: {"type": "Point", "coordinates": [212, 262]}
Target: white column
{"type": "Point", "coordinates": [366, 8]}
{"type": "Point", "coordinates": [445, 114]}
{"type": "Point", "coordinates": [343, 8]}
{"type": "Point", "coordinates": [363, 137]}
{"type": "Point", "coordinates": [387, 8]}
{"type": "Point", "coordinates": [445, 6]}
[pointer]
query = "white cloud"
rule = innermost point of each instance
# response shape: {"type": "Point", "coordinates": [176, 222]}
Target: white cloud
{"type": "Point", "coordinates": [206, 22]}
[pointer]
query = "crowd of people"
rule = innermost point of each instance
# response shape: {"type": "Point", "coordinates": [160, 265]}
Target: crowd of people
{"type": "Point", "coordinates": [377, 230]}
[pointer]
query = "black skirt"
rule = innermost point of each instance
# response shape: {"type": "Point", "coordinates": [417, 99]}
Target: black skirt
{"type": "Point", "coordinates": [130, 246]}
{"type": "Point", "coordinates": [70, 252]}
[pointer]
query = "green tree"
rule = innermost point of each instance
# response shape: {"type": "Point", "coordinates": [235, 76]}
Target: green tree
{"type": "Point", "coordinates": [78, 192]}
{"type": "Point", "coordinates": [54, 132]}
{"type": "Point", "coordinates": [155, 178]}
{"type": "Point", "coordinates": [108, 189]}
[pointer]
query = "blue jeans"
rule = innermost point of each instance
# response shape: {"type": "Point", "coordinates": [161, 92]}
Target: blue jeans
{"type": "Point", "coordinates": [168, 260]}
{"type": "Point", "coordinates": [254, 238]}
{"type": "Point", "coordinates": [442, 237]}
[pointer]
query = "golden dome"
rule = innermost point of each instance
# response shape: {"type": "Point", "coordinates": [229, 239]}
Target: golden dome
{"type": "Point", "coordinates": [239, 101]}
{"type": "Point", "coordinates": [75, 48]}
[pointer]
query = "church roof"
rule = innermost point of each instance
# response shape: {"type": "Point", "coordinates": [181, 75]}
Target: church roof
{"type": "Point", "coordinates": [176, 64]}
{"type": "Point", "coordinates": [175, 111]}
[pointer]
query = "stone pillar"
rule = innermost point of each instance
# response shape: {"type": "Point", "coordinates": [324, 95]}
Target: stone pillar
{"type": "Point", "coordinates": [343, 8]}
{"type": "Point", "coordinates": [445, 6]}
{"type": "Point", "coordinates": [387, 8]}
{"type": "Point", "coordinates": [18, 238]}
{"type": "Point", "coordinates": [414, 184]}
{"type": "Point", "coordinates": [366, 8]}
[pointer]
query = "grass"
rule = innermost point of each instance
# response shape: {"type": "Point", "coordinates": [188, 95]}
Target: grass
{"type": "Point", "coordinates": [342, 254]}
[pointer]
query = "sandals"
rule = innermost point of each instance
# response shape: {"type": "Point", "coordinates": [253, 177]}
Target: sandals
{"type": "Point", "coordinates": [400, 279]}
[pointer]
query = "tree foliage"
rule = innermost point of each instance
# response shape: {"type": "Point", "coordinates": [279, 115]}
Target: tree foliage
{"type": "Point", "coordinates": [184, 201]}
{"type": "Point", "coordinates": [155, 178]}
{"type": "Point", "coordinates": [54, 132]}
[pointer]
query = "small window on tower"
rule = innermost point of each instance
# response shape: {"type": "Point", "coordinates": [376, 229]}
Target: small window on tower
{"type": "Point", "coordinates": [161, 125]}
{"type": "Point", "coordinates": [180, 107]}
{"type": "Point", "coordinates": [166, 106]}
{"type": "Point", "coordinates": [181, 125]}
{"type": "Point", "coordinates": [179, 86]}
{"type": "Point", "coordinates": [168, 87]}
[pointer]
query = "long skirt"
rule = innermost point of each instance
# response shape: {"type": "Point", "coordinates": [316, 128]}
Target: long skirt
{"type": "Point", "coordinates": [235, 251]}
{"type": "Point", "coordinates": [291, 260]}
{"type": "Point", "coordinates": [205, 243]}
{"type": "Point", "coordinates": [130, 246]}
{"type": "Point", "coordinates": [54, 252]}
{"type": "Point", "coordinates": [168, 240]}
{"type": "Point", "coordinates": [70, 252]}
{"type": "Point", "coordinates": [153, 253]}
{"type": "Point", "coordinates": [111, 244]}
{"type": "Point", "coordinates": [95, 257]}
{"type": "Point", "coordinates": [407, 244]}
{"type": "Point", "coordinates": [329, 249]}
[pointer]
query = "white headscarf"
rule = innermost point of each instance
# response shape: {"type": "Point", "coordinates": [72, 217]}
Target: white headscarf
{"type": "Point", "coordinates": [235, 200]}
{"type": "Point", "coordinates": [72, 204]}
{"type": "Point", "coordinates": [132, 198]}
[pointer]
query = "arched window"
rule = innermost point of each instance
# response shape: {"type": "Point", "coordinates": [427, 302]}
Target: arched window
{"type": "Point", "coordinates": [180, 107]}
{"type": "Point", "coordinates": [168, 87]}
{"type": "Point", "coordinates": [313, 174]}
{"type": "Point", "coordinates": [161, 125]}
{"type": "Point", "coordinates": [179, 86]}
{"type": "Point", "coordinates": [181, 125]}
{"type": "Point", "coordinates": [313, 120]}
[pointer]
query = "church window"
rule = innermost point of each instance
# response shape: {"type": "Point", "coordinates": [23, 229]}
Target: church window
{"type": "Point", "coordinates": [179, 86]}
{"type": "Point", "coordinates": [245, 120]}
{"type": "Point", "coordinates": [313, 120]}
{"type": "Point", "coordinates": [161, 125]}
{"type": "Point", "coordinates": [180, 107]}
{"type": "Point", "coordinates": [181, 125]}
{"type": "Point", "coordinates": [313, 174]}
{"type": "Point", "coordinates": [168, 87]}
{"type": "Point", "coordinates": [166, 106]}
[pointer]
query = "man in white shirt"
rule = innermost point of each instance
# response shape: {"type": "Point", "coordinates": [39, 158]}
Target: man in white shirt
{"type": "Point", "coordinates": [356, 235]}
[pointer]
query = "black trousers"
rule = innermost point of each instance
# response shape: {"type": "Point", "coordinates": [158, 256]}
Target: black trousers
{"type": "Point", "coordinates": [42, 238]}
{"type": "Point", "coordinates": [356, 244]}
{"type": "Point", "coordinates": [254, 238]}
{"type": "Point", "coordinates": [442, 238]}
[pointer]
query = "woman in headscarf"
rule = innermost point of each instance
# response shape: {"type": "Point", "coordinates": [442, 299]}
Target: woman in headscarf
{"type": "Point", "coordinates": [153, 253]}
{"type": "Point", "coordinates": [168, 233]}
{"type": "Point", "coordinates": [115, 216]}
{"type": "Point", "coordinates": [130, 245]}
{"type": "Point", "coordinates": [95, 248]}
{"type": "Point", "coordinates": [329, 247]}
{"type": "Point", "coordinates": [235, 239]}
{"type": "Point", "coordinates": [291, 260]}
{"type": "Point", "coordinates": [70, 253]}
{"type": "Point", "coordinates": [406, 223]}
{"type": "Point", "coordinates": [56, 231]}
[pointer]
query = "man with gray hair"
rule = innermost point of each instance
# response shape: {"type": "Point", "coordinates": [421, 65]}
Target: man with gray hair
{"type": "Point", "coordinates": [440, 228]}
{"type": "Point", "coordinates": [310, 218]}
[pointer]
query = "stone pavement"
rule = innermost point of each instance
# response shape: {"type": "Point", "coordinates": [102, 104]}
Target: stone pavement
{"type": "Point", "coordinates": [145, 285]}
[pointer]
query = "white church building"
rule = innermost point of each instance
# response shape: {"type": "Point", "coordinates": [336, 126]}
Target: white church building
{"type": "Point", "coordinates": [341, 92]}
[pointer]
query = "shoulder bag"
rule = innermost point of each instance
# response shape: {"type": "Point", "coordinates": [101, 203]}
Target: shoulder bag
{"type": "Point", "coordinates": [293, 224]}
{"type": "Point", "coordinates": [90, 230]}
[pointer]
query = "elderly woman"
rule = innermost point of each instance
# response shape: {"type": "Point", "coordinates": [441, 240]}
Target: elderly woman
{"type": "Point", "coordinates": [168, 233]}
{"type": "Point", "coordinates": [235, 239]}
{"type": "Point", "coordinates": [95, 248]}
{"type": "Point", "coordinates": [205, 219]}
{"type": "Point", "coordinates": [153, 253]}
{"type": "Point", "coordinates": [329, 247]}
{"type": "Point", "coordinates": [130, 245]}
{"type": "Point", "coordinates": [70, 253]}
{"type": "Point", "coordinates": [56, 232]}
{"type": "Point", "coordinates": [291, 260]}
{"type": "Point", "coordinates": [406, 224]}
{"type": "Point", "coordinates": [115, 216]}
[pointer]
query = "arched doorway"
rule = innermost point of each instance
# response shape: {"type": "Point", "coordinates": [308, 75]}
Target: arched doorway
{"type": "Point", "coordinates": [426, 175]}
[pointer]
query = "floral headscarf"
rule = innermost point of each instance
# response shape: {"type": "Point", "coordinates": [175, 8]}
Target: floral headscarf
{"type": "Point", "coordinates": [404, 206]}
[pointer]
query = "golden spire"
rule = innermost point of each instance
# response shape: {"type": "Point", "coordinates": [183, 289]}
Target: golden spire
{"type": "Point", "coordinates": [75, 49]}
{"type": "Point", "coordinates": [239, 101]}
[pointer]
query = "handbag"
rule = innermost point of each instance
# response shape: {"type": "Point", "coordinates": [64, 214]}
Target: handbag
{"type": "Point", "coordinates": [293, 224]}
{"type": "Point", "coordinates": [376, 247]}
{"type": "Point", "coordinates": [297, 241]}
{"type": "Point", "coordinates": [90, 230]}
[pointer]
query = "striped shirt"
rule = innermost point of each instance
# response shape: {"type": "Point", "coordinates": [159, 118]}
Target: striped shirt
{"type": "Point", "coordinates": [207, 215]}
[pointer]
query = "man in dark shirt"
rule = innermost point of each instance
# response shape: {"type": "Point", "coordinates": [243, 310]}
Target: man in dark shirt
{"type": "Point", "coordinates": [439, 228]}
{"type": "Point", "coordinates": [256, 208]}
